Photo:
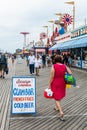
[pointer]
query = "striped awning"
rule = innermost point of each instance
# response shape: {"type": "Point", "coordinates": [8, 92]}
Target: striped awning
{"type": "Point", "coordinates": [75, 43]}
{"type": "Point", "coordinates": [56, 46]}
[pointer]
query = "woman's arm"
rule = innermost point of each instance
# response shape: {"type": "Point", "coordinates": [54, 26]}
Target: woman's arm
{"type": "Point", "coordinates": [68, 70]}
{"type": "Point", "coordinates": [51, 76]}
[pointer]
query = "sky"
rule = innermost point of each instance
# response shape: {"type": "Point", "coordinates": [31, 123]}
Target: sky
{"type": "Point", "coordinates": [30, 16]}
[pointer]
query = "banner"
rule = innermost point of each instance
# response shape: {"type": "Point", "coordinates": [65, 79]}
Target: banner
{"type": "Point", "coordinates": [71, 2]}
{"type": "Point", "coordinates": [23, 95]}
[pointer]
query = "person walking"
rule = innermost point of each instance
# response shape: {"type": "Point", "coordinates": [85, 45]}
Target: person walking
{"type": "Point", "coordinates": [37, 64]}
{"type": "Point", "coordinates": [44, 60]}
{"type": "Point", "coordinates": [3, 65]}
{"type": "Point", "coordinates": [48, 60]}
{"type": "Point", "coordinates": [52, 58]}
{"type": "Point", "coordinates": [57, 83]}
{"type": "Point", "coordinates": [65, 59]}
{"type": "Point", "coordinates": [70, 61]}
{"type": "Point", "coordinates": [27, 61]}
{"type": "Point", "coordinates": [31, 59]}
{"type": "Point", "coordinates": [12, 58]}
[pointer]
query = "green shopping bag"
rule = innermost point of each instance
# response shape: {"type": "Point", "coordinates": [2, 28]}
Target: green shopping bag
{"type": "Point", "coordinates": [69, 79]}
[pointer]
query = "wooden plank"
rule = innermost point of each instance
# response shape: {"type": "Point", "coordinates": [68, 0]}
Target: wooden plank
{"type": "Point", "coordinates": [74, 105]}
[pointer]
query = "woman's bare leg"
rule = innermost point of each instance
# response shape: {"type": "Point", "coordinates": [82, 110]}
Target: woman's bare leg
{"type": "Point", "coordinates": [59, 108]}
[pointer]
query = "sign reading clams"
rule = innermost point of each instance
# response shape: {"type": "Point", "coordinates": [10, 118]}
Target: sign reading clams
{"type": "Point", "coordinates": [23, 95]}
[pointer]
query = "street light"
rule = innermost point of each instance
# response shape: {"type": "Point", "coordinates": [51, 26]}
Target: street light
{"type": "Point", "coordinates": [72, 3]}
{"type": "Point", "coordinates": [46, 30]}
{"type": "Point", "coordinates": [52, 21]}
{"type": "Point", "coordinates": [47, 35]}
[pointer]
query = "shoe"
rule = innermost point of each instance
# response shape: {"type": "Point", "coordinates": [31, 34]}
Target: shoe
{"type": "Point", "coordinates": [56, 109]}
{"type": "Point", "coordinates": [62, 117]}
{"type": "Point", "coordinates": [3, 77]}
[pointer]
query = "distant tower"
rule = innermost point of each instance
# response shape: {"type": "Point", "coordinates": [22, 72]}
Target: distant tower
{"type": "Point", "coordinates": [24, 33]}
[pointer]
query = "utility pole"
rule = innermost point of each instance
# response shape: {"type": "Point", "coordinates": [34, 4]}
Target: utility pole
{"type": "Point", "coordinates": [72, 3]}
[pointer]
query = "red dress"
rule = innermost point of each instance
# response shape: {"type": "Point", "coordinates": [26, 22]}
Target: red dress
{"type": "Point", "coordinates": [58, 85]}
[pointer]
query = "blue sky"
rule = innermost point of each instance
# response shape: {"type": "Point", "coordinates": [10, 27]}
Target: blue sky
{"type": "Point", "coordinates": [30, 16]}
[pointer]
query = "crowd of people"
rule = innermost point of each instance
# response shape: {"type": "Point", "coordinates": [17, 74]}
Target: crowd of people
{"type": "Point", "coordinates": [60, 64]}
{"type": "Point", "coordinates": [35, 62]}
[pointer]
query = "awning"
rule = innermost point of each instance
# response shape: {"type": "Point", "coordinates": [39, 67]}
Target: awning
{"type": "Point", "coordinates": [81, 42]}
{"type": "Point", "coordinates": [68, 44]}
{"type": "Point", "coordinates": [75, 43]}
{"type": "Point", "coordinates": [56, 46]}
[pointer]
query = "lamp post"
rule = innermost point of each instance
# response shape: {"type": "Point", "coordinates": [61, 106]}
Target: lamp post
{"type": "Point", "coordinates": [47, 39]}
{"type": "Point", "coordinates": [72, 3]}
{"type": "Point", "coordinates": [46, 30]}
{"type": "Point", "coordinates": [52, 21]}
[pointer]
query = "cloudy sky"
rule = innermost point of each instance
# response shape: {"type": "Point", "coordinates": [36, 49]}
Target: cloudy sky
{"type": "Point", "coordinates": [30, 16]}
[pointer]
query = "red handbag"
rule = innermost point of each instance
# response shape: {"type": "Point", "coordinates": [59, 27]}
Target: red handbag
{"type": "Point", "coordinates": [48, 93]}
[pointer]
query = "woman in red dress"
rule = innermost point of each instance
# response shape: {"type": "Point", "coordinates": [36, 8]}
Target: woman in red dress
{"type": "Point", "coordinates": [57, 82]}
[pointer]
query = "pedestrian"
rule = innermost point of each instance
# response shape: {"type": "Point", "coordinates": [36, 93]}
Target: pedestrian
{"type": "Point", "coordinates": [27, 61]}
{"type": "Point", "coordinates": [12, 58]}
{"type": "Point", "coordinates": [70, 61]}
{"type": "Point", "coordinates": [48, 60]}
{"type": "Point", "coordinates": [3, 65]}
{"type": "Point", "coordinates": [37, 64]}
{"type": "Point", "coordinates": [44, 60]}
{"type": "Point", "coordinates": [65, 59]}
{"type": "Point", "coordinates": [31, 59]}
{"type": "Point", "coordinates": [57, 83]}
{"type": "Point", "coordinates": [52, 58]}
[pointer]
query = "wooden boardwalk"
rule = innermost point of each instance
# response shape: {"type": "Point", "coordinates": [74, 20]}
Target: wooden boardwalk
{"type": "Point", "coordinates": [74, 105]}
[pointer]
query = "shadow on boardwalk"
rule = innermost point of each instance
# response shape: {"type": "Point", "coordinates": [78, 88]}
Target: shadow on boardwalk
{"type": "Point", "coordinates": [74, 104]}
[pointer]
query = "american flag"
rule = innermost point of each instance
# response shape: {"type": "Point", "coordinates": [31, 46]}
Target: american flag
{"type": "Point", "coordinates": [67, 19]}
{"type": "Point", "coordinates": [43, 35]}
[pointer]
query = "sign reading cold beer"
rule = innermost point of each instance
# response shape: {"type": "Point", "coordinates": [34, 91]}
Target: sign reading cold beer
{"type": "Point", "coordinates": [23, 95]}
